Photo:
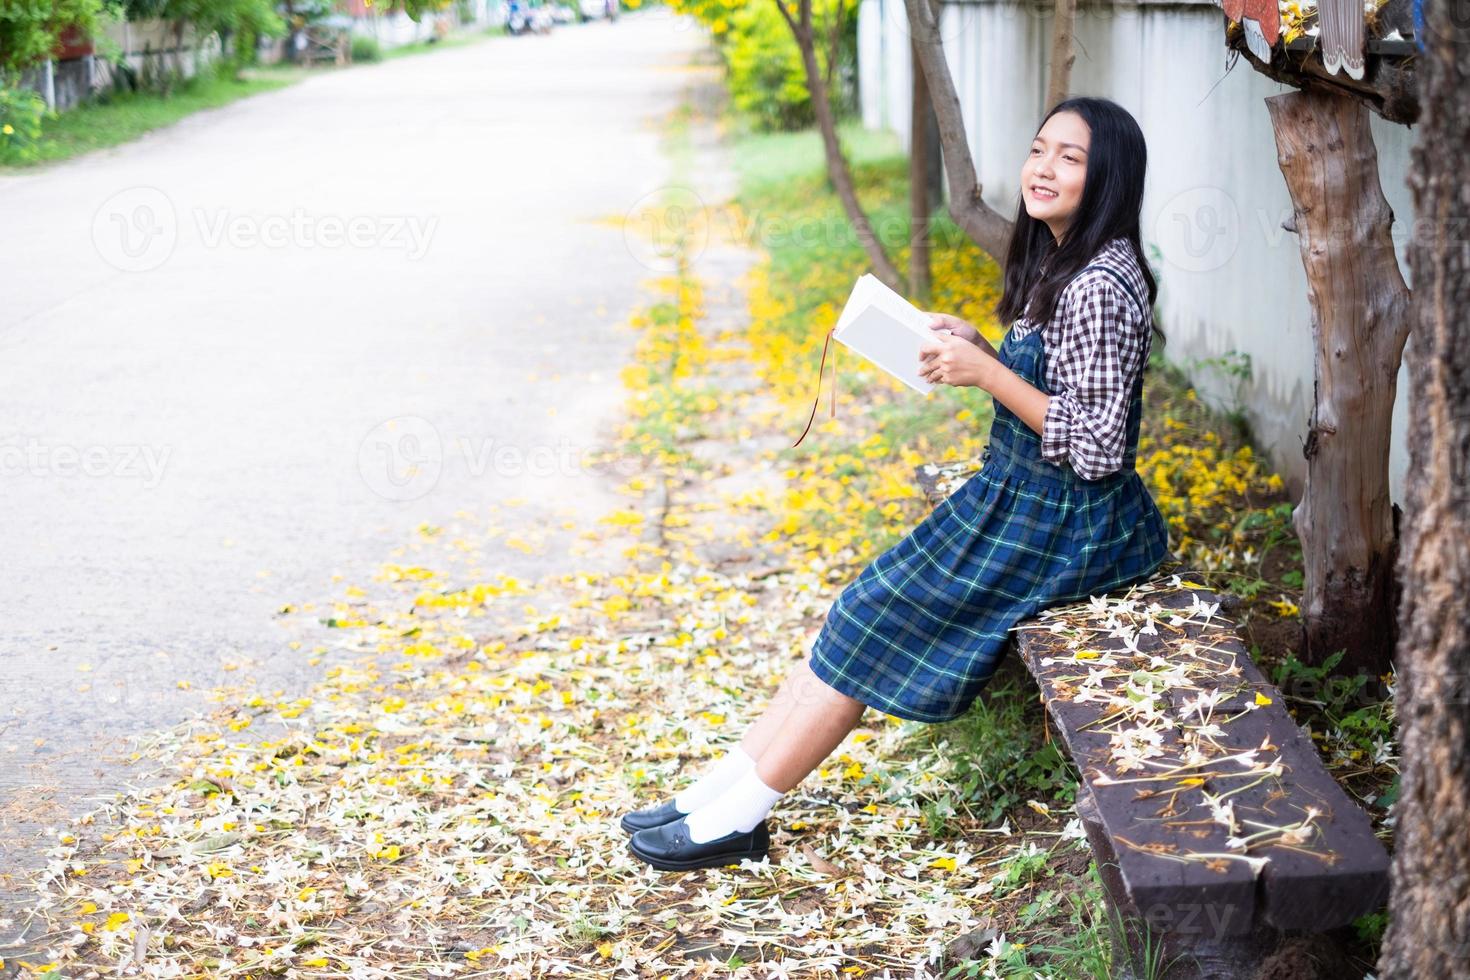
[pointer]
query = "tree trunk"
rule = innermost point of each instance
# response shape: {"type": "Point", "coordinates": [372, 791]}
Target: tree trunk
{"type": "Point", "coordinates": [837, 169]}
{"type": "Point", "coordinates": [934, 178]}
{"type": "Point", "coordinates": [921, 285]}
{"type": "Point", "coordinates": [1360, 321]}
{"type": "Point", "coordinates": [1063, 24]}
{"type": "Point", "coordinates": [1429, 925]}
{"type": "Point", "coordinates": [987, 228]}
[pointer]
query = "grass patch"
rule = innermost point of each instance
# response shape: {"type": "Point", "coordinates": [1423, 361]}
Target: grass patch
{"type": "Point", "coordinates": [113, 118]}
{"type": "Point", "coordinates": [117, 118]}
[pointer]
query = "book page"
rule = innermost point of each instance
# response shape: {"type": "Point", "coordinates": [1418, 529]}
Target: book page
{"type": "Point", "coordinates": [877, 336]}
{"type": "Point", "coordinates": [897, 307]}
{"type": "Point", "coordinates": [886, 329]}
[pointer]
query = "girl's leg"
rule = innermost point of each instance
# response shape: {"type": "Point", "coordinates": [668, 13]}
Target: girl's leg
{"type": "Point", "coordinates": [737, 762]}
{"type": "Point", "coordinates": [817, 721]}
{"type": "Point", "coordinates": [764, 729]}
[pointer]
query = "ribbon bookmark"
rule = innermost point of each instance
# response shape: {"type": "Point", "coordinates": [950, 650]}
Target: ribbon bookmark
{"type": "Point", "coordinates": [818, 396]}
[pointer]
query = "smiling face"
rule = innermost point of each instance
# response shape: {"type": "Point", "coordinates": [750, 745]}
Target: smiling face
{"type": "Point", "coordinates": [1055, 170]}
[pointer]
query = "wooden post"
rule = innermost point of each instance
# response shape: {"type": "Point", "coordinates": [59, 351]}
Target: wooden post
{"type": "Point", "coordinates": [1063, 52]}
{"type": "Point", "coordinates": [1360, 322]}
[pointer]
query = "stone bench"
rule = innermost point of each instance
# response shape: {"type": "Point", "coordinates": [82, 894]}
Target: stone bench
{"type": "Point", "coordinates": [1249, 849]}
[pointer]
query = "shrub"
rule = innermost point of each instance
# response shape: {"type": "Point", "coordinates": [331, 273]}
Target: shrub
{"type": "Point", "coordinates": [767, 79]}
{"type": "Point", "coordinates": [29, 31]}
{"type": "Point", "coordinates": [366, 48]}
{"type": "Point", "coordinates": [21, 111]}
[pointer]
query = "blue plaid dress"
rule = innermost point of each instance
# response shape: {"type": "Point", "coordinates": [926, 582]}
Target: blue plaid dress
{"type": "Point", "coordinates": [922, 629]}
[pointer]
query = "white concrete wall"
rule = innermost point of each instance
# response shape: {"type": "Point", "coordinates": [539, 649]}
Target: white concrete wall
{"type": "Point", "coordinates": [1230, 278]}
{"type": "Point", "coordinates": [393, 30]}
{"type": "Point", "coordinates": [142, 41]}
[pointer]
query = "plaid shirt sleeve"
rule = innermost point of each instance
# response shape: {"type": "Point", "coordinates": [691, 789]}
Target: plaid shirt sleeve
{"type": "Point", "coordinates": [1101, 347]}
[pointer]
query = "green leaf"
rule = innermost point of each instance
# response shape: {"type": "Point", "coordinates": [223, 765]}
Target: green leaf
{"type": "Point", "coordinates": [218, 842]}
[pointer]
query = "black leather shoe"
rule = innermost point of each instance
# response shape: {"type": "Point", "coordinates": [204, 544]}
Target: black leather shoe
{"type": "Point", "coordinates": [654, 816]}
{"type": "Point", "coordinates": [668, 847]}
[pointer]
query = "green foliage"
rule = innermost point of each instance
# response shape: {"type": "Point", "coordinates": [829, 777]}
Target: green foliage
{"type": "Point", "coordinates": [224, 16]}
{"type": "Point", "coordinates": [117, 117]}
{"type": "Point", "coordinates": [243, 16]}
{"type": "Point", "coordinates": [1320, 686]}
{"type": "Point", "coordinates": [414, 8]}
{"type": "Point", "coordinates": [238, 23]}
{"type": "Point", "coordinates": [29, 30]}
{"type": "Point", "coordinates": [714, 14]}
{"type": "Point", "coordinates": [1029, 863]}
{"type": "Point", "coordinates": [1359, 724]}
{"type": "Point", "coordinates": [766, 78]}
{"type": "Point", "coordinates": [21, 111]}
{"type": "Point", "coordinates": [1235, 366]}
{"type": "Point", "coordinates": [366, 49]}
{"type": "Point", "coordinates": [1271, 527]}
{"type": "Point", "coordinates": [994, 759]}
{"type": "Point", "coordinates": [1389, 796]}
{"type": "Point", "coordinates": [765, 75]}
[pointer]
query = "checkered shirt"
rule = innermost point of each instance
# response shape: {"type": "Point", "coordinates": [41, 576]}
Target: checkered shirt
{"type": "Point", "coordinates": [1096, 346]}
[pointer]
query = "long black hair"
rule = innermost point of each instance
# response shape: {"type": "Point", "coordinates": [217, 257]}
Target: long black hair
{"type": "Point", "coordinates": [1037, 268]}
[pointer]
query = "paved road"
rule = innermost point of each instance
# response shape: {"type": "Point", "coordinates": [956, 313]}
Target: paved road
{"type": "Point", "coordinates": [225, 344]}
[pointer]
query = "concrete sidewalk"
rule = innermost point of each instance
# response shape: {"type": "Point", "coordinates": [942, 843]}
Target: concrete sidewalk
{"type": "Point", "coordinates": [260, 346]}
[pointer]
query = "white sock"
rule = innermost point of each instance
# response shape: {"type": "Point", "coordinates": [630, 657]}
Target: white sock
{"type": "Point", "coordinates": [721, 776]}
{"type": "Point", "coordinates": [740, 807]}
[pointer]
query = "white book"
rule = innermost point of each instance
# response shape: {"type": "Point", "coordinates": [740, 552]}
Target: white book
{"type": "Point", "coordinates": [887, 329]}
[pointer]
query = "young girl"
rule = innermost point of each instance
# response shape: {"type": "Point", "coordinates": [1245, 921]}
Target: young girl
{"type": "Point", "coordinates": [1055, 514]}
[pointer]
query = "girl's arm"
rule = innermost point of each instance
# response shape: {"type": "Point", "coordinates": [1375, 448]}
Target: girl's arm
{"type": "Point", "coordinates": [1016, 393]}
{"type": "Point", "coordinates": [953, 361]}
{"type": "Point", "coordinates": [1086, 421]}
{"type": "Point", "coordinates": [1083, 422]}
{"type": "Point", "coordinates": [950, 360]}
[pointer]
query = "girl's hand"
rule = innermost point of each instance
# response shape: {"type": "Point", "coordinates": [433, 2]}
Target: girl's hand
{"type": "Point", "coordinates": [949, 360]}
{"type": "Point", "coordinates": [961, 328]}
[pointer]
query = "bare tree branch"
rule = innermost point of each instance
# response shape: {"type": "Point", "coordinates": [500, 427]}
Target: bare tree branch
{"type": "Point", "coordinates": [834, 40]}
{"type": "Point", "coordinates": [838, 171]}
{"type": "Point", "coordinates": [989, 229]}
